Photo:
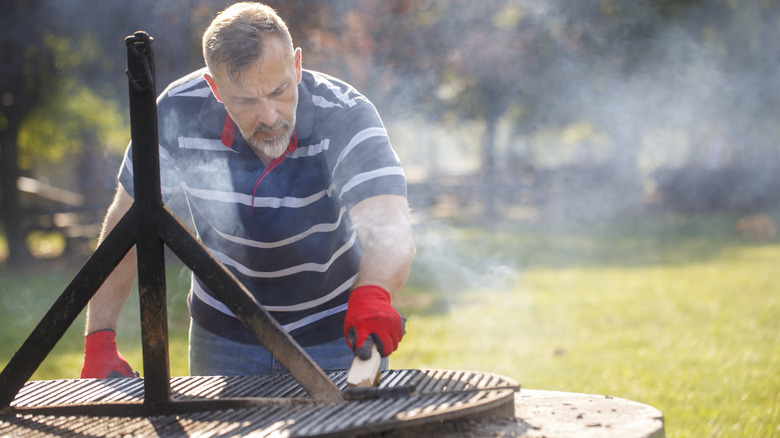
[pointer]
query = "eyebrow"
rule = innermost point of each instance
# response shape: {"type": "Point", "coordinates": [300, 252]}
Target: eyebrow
{"type": "Point", "coordinates": [279, 88]}
{"type": "Point", "coordinates": [244, 97]}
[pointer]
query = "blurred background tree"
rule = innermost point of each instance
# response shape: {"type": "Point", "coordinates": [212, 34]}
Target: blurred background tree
{"type": "Point", "coordinates": [575, 109]}
{"type": "Point", "coordinates": [26, 70]}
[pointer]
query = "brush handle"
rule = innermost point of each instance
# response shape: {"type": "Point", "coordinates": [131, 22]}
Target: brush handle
{"type": "Point", "coordinates": [365, 373]}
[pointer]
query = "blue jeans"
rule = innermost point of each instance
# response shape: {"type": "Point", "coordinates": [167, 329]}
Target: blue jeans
{"type": "Point", "coordinates": [213, 355]}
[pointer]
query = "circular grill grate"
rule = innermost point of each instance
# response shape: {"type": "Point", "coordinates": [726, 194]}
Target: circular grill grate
{"type": "Point", "coordinates": [428, 396]}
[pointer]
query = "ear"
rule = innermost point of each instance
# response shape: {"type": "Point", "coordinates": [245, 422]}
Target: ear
{"type": "Point", "coordinates": [213, 85]}
{"type": "Point", "coordinates": [298, 64]}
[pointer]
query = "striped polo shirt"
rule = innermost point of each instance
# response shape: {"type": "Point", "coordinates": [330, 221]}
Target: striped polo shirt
{"type": "Point", "coordinates": [284, 232]}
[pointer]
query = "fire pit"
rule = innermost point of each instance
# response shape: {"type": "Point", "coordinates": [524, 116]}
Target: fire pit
{"type": "Point", "coordinates": [306, 401]}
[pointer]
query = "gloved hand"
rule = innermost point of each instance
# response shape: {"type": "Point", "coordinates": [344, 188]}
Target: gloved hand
{"type": "Point", "coordinates": [371, 319]}
{"type": "Point", "coordinates": [101, 358]}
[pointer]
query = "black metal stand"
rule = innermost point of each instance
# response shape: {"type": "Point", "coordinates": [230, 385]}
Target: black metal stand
{"type": "Point", "coordinates": [149, 225]}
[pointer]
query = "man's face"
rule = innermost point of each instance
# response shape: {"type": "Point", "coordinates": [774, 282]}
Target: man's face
{"type": "Point", "coordinates": [263, 104]}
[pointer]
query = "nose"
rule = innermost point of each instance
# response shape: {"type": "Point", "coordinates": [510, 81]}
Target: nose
{"type": "Point", "coordinates": [266, 113]}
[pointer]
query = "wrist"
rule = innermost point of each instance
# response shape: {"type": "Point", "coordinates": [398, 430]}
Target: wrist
{"type": "Point", "coordinates": [371, 291]}
{"type": "Point", "coordinates": [110, 330]}
{"type": "Point", "coordinates": [104, 339]}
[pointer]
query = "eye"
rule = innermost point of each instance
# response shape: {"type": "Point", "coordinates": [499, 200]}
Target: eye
{"type": "Point", "coordinates": [279, 91]}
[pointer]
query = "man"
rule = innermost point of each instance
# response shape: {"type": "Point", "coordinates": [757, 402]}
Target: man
{"type": "Point", "coordinates": [306, 206]}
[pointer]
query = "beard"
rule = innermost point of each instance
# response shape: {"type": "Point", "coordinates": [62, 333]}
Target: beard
{"type": "Point", "coordinates": [273, 147]}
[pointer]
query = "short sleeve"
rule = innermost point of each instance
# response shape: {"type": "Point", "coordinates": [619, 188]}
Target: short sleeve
{"type": "Point", "coordinates": [362, 161]}
{"type": "Point", "coordinates": [169, 176]}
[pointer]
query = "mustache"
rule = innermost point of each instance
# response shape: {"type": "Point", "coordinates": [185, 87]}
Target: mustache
{"type": "Point", "coordinates": [264, 129]}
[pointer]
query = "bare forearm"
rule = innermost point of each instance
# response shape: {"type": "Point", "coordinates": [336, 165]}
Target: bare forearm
{"type": "Point", "coordinates": [386, 269]}
{"type": "Point", "coordinates": [384, 229]}
{"type": "Point", "coordinates": [107, 304]}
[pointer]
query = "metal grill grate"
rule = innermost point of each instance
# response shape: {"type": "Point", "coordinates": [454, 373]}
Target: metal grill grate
{"type": "Point", "coordinates": [433, 395]}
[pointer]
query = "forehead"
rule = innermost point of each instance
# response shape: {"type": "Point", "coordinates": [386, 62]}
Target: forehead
{"type": "Point", "coordinates": [273, 69]}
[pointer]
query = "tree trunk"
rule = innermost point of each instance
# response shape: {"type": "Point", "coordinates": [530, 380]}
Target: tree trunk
{"type": "Point", "coordinates": [11, 215]}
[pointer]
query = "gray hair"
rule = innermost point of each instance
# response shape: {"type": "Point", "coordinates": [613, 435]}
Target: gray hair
{"type": "Point", "coordinates": [235, 37]}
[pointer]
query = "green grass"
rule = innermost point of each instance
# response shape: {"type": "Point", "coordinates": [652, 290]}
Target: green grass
{"type": "Point", "coordinates": [676, 313]}
{"type": "Point", "coordinates": [670, 311]}
{"type": "Point", "coordinates": [26, 296]}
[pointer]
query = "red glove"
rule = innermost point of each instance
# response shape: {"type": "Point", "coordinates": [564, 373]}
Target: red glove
{"type": "Point", "coordinates": [101, 358]}
{"type": "Point", "coordinates": [371, 319]}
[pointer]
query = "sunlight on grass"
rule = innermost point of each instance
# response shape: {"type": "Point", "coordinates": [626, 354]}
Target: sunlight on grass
{"type": "Point", "coordinates": [46, 244]}
{"type": "Point", "coordinates": [25, 297]}
{"type": "Point", "coordinates": [3, 248]}
{"type": "Point", "coordinates": [699, 340]}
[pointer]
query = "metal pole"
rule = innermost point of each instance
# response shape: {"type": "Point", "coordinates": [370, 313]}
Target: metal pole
{"type": "Point", "coordinates": [148, 199]}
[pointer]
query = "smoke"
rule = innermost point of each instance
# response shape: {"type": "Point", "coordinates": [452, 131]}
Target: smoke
{"type": "Point", "coordinates": [637, 106]}
{"type": "Point", "coordinates": [614, 102]}
{"type": "Point", "coordinates": [451, 261]}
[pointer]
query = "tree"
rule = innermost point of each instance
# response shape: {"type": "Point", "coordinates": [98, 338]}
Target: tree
{"type": "Point", "coordinates": [62, 86]}
{"type": "Point", "coordinates": [26, 69]}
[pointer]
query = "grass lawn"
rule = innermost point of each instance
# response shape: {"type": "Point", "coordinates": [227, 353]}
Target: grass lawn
{"type": "Point", "coordinates": [670, 311]}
